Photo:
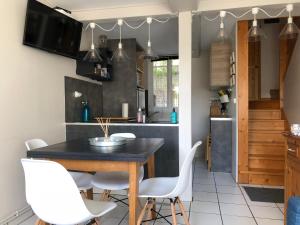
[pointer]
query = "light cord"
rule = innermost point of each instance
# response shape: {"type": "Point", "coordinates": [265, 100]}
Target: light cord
{"type": "Point", "coordinates": [135, 27]}
{"type": "Point", "coordinates": [245, 13]}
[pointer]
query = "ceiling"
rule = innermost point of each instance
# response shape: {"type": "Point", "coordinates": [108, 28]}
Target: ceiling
{"type": "Point", "coordinates": [74, 5]}
{"type": "Point", "coordinates": [164, 36]}
{"type": "Point", "coordinates": [79, 5]}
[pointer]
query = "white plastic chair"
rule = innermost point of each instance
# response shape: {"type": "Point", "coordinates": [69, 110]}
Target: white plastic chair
{"type": "Point", "coordinates": [53, 195]}
{"type": "Point", "coordinates": [82, 180]}
{"type": "Point", "coordinates": [114, 181]}
{"type": "Point", "coordinates": [168, 187]}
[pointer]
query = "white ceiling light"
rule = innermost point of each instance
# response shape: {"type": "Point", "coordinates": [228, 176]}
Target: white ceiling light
{"type": "Point", "coordinates": [120, 54]}
{"type": "Point", "coordinates": [255, 33]}
{"type": "Point", "coordinates": [92, 55]}
{"type": "Point", "coordinates": [290, 30]}
{"type": "Point", "coordinates": [149, 53]}
{"type": "Point", "coordinates": [222, 35]}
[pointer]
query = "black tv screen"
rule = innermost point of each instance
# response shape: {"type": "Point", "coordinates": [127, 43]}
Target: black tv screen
{"type": "Point", "coordinates": [49, 30]}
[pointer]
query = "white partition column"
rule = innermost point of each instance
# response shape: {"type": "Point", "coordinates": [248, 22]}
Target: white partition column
{"type": "Point", "coordinates": [185, 92]}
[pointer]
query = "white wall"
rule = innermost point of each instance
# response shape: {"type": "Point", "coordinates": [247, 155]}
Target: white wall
{"type": "Point", "coordinates": [200, 98]}
{"type": "Point", "coordinates": [269, 59]}
{"type": "Point", "coordinates": [32, 93]}
{"type": "Point", "coordinates": [292, 86]}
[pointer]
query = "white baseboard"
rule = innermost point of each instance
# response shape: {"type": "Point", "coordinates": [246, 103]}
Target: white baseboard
{"type": "Point", "coordinates": [17, 217]}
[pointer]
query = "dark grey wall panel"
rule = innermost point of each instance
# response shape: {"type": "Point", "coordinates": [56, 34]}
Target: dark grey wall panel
{"type": "Point", "coordinates": [123, 86]}
{"type": "Point", "coordinates": [90, 91]}
{"type": "Point", "coordinates": [166, 159]}
{"type": "Point", "coordinates": [221, 147]}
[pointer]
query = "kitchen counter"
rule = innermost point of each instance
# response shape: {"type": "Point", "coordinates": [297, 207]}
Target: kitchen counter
{"type": "Point", "coordinates": [220, 118]}
{"type": "Point", "coordinates": [221, 144]}
{"type": "Point", "coordinates": [154, 124]}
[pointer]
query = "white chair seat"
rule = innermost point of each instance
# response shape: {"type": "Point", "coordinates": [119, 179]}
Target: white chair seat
{"type": "Point", "coordinates": [82, 180]}
{"type": "Point", "coordinates": [98, 208]}
{"type": "Point", "coordinates": [113, 180]}
{"type": "Point", "coordinates": [159, 187]}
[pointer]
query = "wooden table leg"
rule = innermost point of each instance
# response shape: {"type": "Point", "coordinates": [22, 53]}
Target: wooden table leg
{"type": "Point", "coordinates": [89, 194]}
{"type": "Point", "coordinates": [133, 192]}
{"type": "Point", "coordinates": [151, 173]}
{"type": "Point", "coordinates": [151, 167]}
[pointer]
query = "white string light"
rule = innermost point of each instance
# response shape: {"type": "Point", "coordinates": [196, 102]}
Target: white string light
{"type": "Point", "coordinates": [119, 53]}
{"type": "Point", "coordinates": [289, 31]}
{"type": "Point", "coordinates": [127, 24]}
{"type": "Point", "coordinates": [247, 12]}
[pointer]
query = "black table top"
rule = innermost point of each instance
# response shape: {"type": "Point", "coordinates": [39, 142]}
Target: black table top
{"type": "Point", "coordinates": [137, 150]}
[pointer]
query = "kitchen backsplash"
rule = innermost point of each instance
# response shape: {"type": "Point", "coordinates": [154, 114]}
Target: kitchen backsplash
{"type": "Point", "coordinates": [90, 91]}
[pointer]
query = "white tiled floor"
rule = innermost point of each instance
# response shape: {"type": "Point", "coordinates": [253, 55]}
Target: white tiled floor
{"type": "Point", "coordinates": [217, 200]}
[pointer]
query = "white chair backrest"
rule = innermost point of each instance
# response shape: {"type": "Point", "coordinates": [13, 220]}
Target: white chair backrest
{"type": "Point", "coordinates": [52, 193]}
{"type": "Point", "coordinates": [125, 135]}
{"type": "Point", "coordinates": [184, 174]}
{"type": "Point", "coordinates": [35, 143]}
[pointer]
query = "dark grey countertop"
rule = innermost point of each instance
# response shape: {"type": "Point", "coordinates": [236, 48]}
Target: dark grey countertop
{"type": "Point", "coordinates": [158, 123]}
{"type": "Point", "coordinates": [137, 150]}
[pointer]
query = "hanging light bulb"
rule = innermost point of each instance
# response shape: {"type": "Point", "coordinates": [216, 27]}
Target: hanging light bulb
{"type": "Point", "coordinates": [119, 54]}
{"type": "Point", "coordinates": [149, 53]}
{"type": "Point", "coordinates": [222, 35]}
{"type": "Point", "coordinates": [92, 55]}
{"type": "Point", "coordinates": [255, 33]}
{"type": "Point", "coordinates": [290, 30]}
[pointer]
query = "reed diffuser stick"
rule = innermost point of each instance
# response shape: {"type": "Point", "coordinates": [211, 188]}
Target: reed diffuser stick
{"type": "Point", "coordinates": [104, 124]}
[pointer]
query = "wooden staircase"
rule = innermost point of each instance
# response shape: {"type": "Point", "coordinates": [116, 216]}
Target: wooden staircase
{"type": "Point", "coordinates": [266, 147]}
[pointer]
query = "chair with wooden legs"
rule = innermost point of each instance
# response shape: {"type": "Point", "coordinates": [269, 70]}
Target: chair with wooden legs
{"type": "Point", "coordinates": [54, 198]}
{"type": "Point", "coordinates": [82, 180]}
{"type": "Point", "coordinates": [114, 181]}
{"type": "Point", "coordinates": [168, 187]}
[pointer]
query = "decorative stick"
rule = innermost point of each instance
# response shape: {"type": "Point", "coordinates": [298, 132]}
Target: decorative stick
{"type": "Point", "coordinates": [104, 124]}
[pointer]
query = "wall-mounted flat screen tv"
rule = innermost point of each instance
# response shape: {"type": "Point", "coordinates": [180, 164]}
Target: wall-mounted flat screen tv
{"type": "Point", "coordinates": [50, 30]}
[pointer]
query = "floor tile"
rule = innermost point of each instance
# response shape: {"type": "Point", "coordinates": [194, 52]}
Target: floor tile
{"type": "Point", "coordinates": [266, 212]}
{"type": "Point", "coordinates": [269, 222]}
{"type": "Point", "coordinates": [280, 205]}
{"type": "Point", "coordinates": [229, 198]}
{"type": "Point", "coordinates": [205, 207]}
{"type": "Point", "coordinates": [236, 220]}
{"type": "Point", "coordinates": [110, 221]}
{"type": "Point", "coordinates": [206, 188]}
{"type": "Point", "coordinates": [225, 181]}
{"type": "Point", "coordinates": [281, 209]}
{"type": "Point", "coordinates": [206, 181]}
{"type": "Point", "coordinates": [205, 219]}
{"type": "Point", "coordinates": [205, 197]}
{"type": "Point", "coordinates": [166, 212]}
{"type": "Point", "coordinates": [118, 212]}
{"type": "Point", "coordinates": [229, 189]}
{"type": "Point", "coordinates": [30, 221]}
{"type": "Point", "coordinates": [235, 210]}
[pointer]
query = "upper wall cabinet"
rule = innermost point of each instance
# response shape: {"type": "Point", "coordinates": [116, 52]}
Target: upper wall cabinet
{"type": "Point", "coordinates": [220, 64]}
{"type": "Point", "coordinates": [100, 71]}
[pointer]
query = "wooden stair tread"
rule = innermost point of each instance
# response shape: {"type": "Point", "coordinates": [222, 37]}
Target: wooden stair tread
{"type": "Point", "coordinates": [274, 172]}
{"type": "Point", "coordinates": [266, 156]}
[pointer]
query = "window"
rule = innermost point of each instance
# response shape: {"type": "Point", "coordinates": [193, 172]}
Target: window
{"type": "Point", "coordinates": [165, 84]}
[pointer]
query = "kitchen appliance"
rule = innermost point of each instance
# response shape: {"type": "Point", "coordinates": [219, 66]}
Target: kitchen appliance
{"type": "Point", "coordinates": [50, 30]}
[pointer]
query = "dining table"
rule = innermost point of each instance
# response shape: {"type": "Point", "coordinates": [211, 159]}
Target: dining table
{"type": "Point", "coordinates": [79, 155]}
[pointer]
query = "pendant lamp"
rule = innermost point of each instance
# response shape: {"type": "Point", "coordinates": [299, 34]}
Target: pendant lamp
{"type": "Point", "coordinates": [93, 54]}
{"type": "Point", "coordinates": [290, 30]}
{"type": "Point", "coordinates": [255, 33]}
{"type": "Point", "coordinates": [119, 54]}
